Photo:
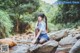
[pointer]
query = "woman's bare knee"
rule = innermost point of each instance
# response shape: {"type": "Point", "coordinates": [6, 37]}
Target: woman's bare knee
{"type": "Point", "coordinates": [42, 41]}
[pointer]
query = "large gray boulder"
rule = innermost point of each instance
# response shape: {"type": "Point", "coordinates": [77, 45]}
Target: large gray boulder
{"type": "Point", "coordinates": [66, 43]}
{"type": "Point", "coordinates": [47, 47]}
{"type": "Point", "coordinates": [58, 34]}
{"type": "Point", "coordinates": [75, 48]}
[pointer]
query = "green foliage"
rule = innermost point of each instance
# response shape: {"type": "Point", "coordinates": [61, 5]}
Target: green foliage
{"type": "Point", "coordinates": [68, 13]}
{"type": "Point", "coordinates": [20, 14]}
{"type": "Point", "coordinates": [5, 23]}
{"type": "Point", "coordinates": [61, 16]}
{"type": "Point", "coordinates": [19, 6]}
{"type": "Point", "coordinates": [26, 18]}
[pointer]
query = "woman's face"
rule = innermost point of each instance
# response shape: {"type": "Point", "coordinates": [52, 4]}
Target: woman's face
{"type": "Point", "coordinates": [39, 18]}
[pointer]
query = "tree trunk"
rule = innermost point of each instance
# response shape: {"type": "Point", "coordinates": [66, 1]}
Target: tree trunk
{"type": "Point", "coordinates": [17, 25]}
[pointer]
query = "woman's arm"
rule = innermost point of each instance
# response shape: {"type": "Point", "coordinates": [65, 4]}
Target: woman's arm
{"type": "Point", "coordinates": [36, 37]}
{"type": "Point", "coordinates": [41, 28]}
{"type": "Point", "coordinates": [38, 34]}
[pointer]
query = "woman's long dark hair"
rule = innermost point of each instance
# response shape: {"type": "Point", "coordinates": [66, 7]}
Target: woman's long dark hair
{"type": "Point", "coordinates": [45, 19]}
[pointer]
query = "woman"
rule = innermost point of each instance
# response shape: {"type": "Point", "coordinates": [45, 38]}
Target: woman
{"type": "Point", "coordinates": [41, 30]}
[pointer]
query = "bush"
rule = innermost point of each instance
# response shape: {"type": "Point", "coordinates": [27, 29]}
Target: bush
{"type": "Point", "coordinates": [5, 24]}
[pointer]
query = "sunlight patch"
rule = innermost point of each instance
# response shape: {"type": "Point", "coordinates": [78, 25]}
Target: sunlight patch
{"type": "Point", "coordinates": [50, 1]}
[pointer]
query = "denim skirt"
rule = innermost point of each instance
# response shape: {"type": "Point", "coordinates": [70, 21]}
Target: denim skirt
{"type": "Point", "coordinates": [45, 36]}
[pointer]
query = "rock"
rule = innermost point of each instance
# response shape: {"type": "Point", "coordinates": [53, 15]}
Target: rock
{"type": "Point", "coordinates": [74, 31]}
{"type": "Point", "coordinates": [64, 48]}
{"type": "Point", "coordinates": [23, 38]}
{"type": "Point", "coordinates": [75, 48]}
{"type": "Point", "coordinates": [58, 34]}
{"type": "Point", "coordinates": [77, 36]}
{"type": "Point", "coordinates": [66, 43]}
{"type": "Point", "coordinates": [20, 48]}
{"type": "Point", "coordinates": [67, 40]}
{"type": "Point", "coordinates": [51, 43]}
{"type": "Point", "coordinates": [61, 52]}
{"type": "Point", "coordinates": [34, 47]}
{"type": "Point", "coordinates": [8, 41]}
{"type": "Point", "coordinates": [47, 47]}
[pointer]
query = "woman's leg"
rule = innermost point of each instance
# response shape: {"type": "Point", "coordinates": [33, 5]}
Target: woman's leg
{"type": "Point", "coordinates": [42, 40]}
